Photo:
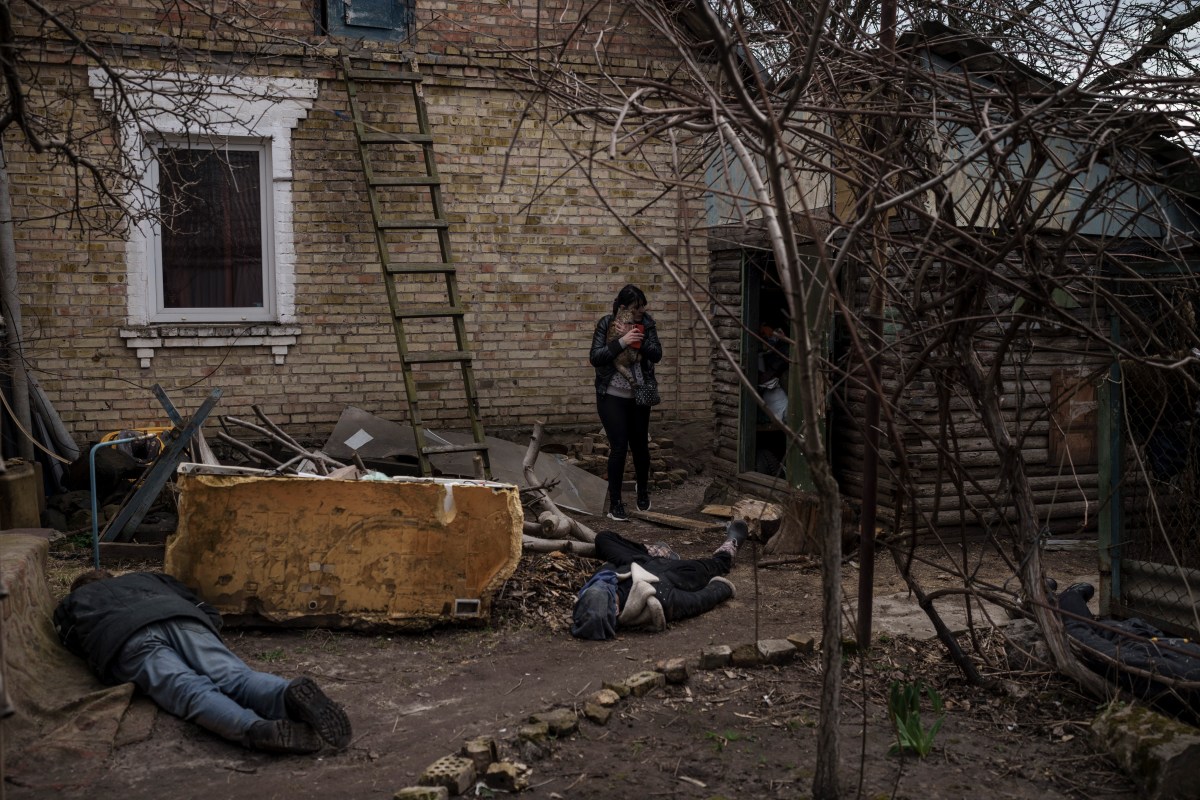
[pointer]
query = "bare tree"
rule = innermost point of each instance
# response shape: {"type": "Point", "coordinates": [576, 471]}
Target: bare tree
{"type": "Point", "coordinates": [982, 185]}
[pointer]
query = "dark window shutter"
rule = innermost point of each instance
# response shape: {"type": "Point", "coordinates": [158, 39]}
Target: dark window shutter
{"type": "Point", "coordinates": [382, 20]}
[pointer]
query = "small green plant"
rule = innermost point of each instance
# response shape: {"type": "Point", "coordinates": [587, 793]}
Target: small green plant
{"type": "Point", "coordinates": [271, 656]}
{"type": "Point", "coordinates": [904, 709]}
{"type": "Point", "coordinates": [719, 740]}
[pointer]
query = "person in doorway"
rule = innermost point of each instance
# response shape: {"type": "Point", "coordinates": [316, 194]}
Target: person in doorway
{"type": "Point", "coordinates": [643, 586]}
{"type": "Point", "coordinates": [626, 423]}
{"type": "Point", "coordinates": [149, 629]}
{"type": "Point", "coordinates": [773, 364]}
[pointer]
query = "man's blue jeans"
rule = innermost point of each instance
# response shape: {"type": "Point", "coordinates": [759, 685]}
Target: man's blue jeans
{"type": "Point", "coordinates": [187, 670]}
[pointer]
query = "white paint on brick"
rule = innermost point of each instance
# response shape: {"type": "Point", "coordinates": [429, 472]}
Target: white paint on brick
{"type": "Point", "coordinates": [206, 107]}
{"type": "Point", "coordinates": [146, 340]}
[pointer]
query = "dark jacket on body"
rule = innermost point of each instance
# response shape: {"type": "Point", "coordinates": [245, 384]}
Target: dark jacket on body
{"type": "Point", "coordinates": [605, 352]}
{"type": "Point", "coordinates": [96, 620]}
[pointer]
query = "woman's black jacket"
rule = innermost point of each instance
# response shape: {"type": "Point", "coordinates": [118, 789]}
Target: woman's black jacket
{"type": "Point", "coordinates": [605, 352]}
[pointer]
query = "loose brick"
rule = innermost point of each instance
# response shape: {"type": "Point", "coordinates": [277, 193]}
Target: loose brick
{"type": "Point", "coordinates": [422, 793]}
{"type": "Point", "coordinates": [560, 722]}
{"type": "Point", "coordinates": [805, 645]}
{"type": "Point", "coordinates": [746, 655]}
{"type": "Point", "coordinates": [597, 713]}
{"type": "Point", "coordinates": [507, 776]}
{"type": "Point", "coordinates": [455, 773]}
{"type": "Point", "coordinates": [604, 697]}
{"type": "Point", "coordinates": [715, 656]}
{"type": "Point", "coordinates": [643, 683]}
{"type": "Point", "coordinates": [673, 669]}
{"type": "Point", "coordinates": [777, 651]}
{"type": "Point", "coordinates": [481, 751]}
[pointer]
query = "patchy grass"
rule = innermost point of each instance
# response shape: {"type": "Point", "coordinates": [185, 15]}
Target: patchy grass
{"type": "Point", "coordinates": [272, 656]}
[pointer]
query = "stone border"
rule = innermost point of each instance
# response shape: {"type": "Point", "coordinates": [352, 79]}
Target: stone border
{"type": "Point", "coordinates": [454, 775]}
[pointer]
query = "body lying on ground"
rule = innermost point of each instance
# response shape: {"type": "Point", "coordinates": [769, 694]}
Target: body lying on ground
{"type": "Point", "coordinates": [149, 629]}
{"type": "Point", "coordinates": [648, 586]}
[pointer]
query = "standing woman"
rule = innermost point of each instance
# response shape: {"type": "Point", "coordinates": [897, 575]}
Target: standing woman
{"type": "Point", "coordinates": [625, 422]}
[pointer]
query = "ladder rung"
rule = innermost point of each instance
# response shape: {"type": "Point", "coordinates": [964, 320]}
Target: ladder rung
{"type": "Point", "coordinates": [424, 180]}
{"type": "Point", "coordinates": [456, 448]}
{"type": "Point", "coordinates": [372, 137]}
{"type": "Point", "coordinates": [415, 225]}
{"type": "Point", "coordinates": [419, 269]}
{"type": "Point", "coordinates": [425, 313]}
{"type": "Point", "coordinates": [384, 76]}
{"type": "Point", "coordinates": [438, 358]}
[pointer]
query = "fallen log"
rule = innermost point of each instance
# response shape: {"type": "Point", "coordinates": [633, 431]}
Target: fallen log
{"type": "Point", "coordinates": [553, 522]}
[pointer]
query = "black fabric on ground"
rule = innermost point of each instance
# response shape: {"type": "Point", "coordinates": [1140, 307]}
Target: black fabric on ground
{"type": "Point", "coordinates": [1116, 640]}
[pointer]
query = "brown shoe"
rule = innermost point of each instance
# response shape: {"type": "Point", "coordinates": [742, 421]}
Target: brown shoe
{"type": "Point", "coordinates": [305, 702]}
{"type": "Point", "coordinates": [282, 736]}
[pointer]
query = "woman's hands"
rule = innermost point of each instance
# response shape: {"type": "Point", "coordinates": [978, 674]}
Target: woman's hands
{"type": "Point", "coordinates": [631, 335]}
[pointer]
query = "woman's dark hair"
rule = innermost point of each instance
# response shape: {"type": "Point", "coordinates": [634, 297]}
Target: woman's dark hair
{"type": "Point", "coordinates": [629, 296]}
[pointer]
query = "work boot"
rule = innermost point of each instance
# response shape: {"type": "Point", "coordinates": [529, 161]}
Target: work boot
{"type": "Point", "coordinates": [305, 702]}
{"type": "Point", "coordinates": [282, 736]}
{"type": "Point", "coordinates": [736, 532]}
{"type": "Point", "coordinates": [1084, 590]}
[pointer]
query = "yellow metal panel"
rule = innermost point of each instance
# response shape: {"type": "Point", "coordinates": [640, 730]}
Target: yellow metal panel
{"type": "Point", "coordinates": [336, 553]}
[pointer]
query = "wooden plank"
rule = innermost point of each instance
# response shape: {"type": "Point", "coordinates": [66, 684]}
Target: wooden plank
{"type": "Point", "coordinates": [725, 512]}
{"type": "Point", "coordinates": [671, 521]}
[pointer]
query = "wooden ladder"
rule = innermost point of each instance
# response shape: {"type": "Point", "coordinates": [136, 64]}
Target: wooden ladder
{"type": "Point", "coordinates": [395, 228]}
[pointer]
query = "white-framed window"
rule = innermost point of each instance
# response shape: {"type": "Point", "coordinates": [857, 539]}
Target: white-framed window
{"type": "Point", "coordinates": [213, 239]}
{"type": "Point", "coordinates": [211, 256]}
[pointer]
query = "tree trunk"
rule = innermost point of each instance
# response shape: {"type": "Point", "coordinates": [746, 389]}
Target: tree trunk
{"type": "Point", "coordinates": [800, 531]}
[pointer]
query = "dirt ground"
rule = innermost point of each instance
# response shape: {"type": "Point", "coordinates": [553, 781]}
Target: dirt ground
{"type": "Point", "coordinates": [726, 733]}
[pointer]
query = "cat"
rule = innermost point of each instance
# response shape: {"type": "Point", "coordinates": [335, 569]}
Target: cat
{"type": "Point", "coordinates": [630, 355]}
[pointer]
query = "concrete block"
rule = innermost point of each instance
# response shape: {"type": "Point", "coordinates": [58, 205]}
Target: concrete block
{"type": "Point", "coordinates": [715, 656]}
{"type": "Point", "coordinates": [673, 669]}
{"type": "Point", "coordinates": [455, 773]}
{"type": "Point", "coordinates": [1160, 754]}
{"type": "Point", "coordinates": [619, 688]}
{"type": "Point", "coordinates": [643, 683]}
{"type": "Point", "coordinates": [604, 697]}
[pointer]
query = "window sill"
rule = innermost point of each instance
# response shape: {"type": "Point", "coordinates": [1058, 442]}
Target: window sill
{"type": "Point", "coordinates": [146, 341]}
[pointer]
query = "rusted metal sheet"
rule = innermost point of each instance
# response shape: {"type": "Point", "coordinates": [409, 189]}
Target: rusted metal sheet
{"type": "Point", "coordinates": [300, 551]}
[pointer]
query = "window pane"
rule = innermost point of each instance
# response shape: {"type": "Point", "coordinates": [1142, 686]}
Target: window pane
{"type": "Point", "coordinates": [212, 228]}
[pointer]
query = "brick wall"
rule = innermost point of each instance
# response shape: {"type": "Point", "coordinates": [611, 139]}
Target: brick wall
{"type": "Point", "coordinates": [539, 258]}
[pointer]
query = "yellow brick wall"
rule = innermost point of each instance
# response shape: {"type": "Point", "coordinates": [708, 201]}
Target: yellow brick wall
{"type": "Point", "coordinates": [539, 258]}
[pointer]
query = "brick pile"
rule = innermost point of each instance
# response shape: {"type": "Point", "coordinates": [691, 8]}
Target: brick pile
{"type": "Point", "coordinates": [590, 453]}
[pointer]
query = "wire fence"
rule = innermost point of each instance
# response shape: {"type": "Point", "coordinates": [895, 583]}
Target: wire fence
{"type": "Point", "coordinates": [1154, 538]}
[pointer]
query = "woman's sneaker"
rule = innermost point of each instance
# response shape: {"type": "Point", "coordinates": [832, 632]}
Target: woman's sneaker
{"type": "Point", "coordinates": [643, 500]}
{"type": "Point", "coordinates": [616, 510]}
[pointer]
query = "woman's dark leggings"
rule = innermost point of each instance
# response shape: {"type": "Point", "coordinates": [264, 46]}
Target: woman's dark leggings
{"type": "Point", "coordinates": [628, 427]}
